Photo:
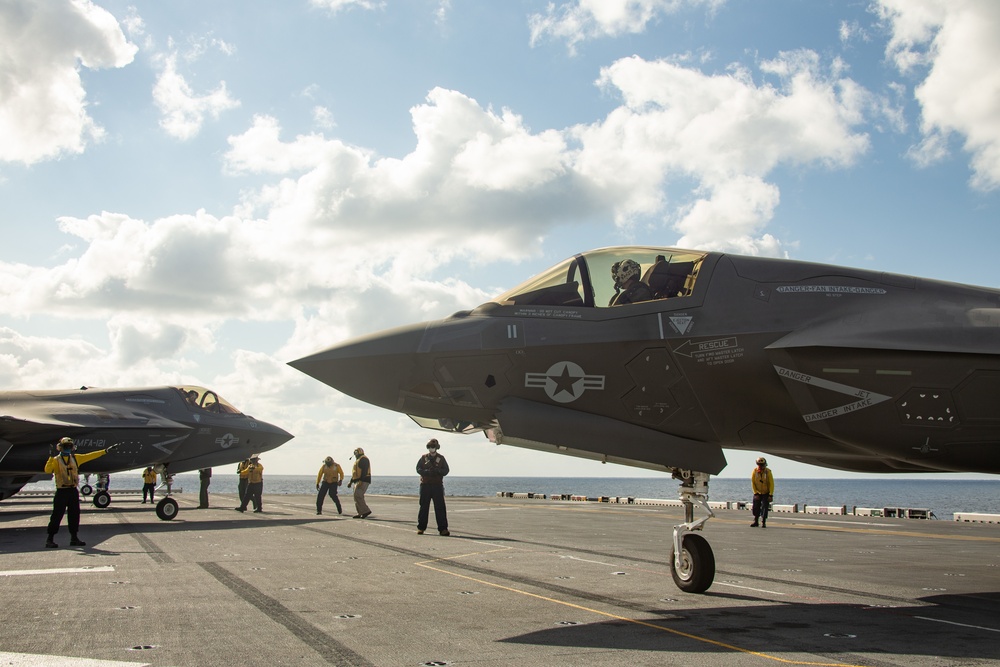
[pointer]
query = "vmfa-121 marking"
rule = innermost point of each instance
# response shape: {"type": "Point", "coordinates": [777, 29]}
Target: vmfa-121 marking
{"type": "Point", "coordinates": [837, 367]}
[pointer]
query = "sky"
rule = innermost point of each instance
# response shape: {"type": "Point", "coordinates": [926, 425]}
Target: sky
{"type": "Point", "coordinates": [199, 192]}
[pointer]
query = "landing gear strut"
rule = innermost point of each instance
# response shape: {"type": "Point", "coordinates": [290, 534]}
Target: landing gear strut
{"type": "Point", "coordinates": [692, 560]}
{"type": "Point", "coordinates": [167, 508]}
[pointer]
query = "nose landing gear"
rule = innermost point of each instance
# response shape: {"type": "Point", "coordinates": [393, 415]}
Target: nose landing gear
{"type": "Point", "coordinates": [167, 508]}
{"type": "Point", "coordinates": [692, 559]}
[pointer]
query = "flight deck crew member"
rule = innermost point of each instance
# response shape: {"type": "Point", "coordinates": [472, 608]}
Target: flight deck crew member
{"type": "Point", "coordinates": [205, 477]}
{"type": "Point", "coordinates": [432, 468]}
{"type": "Point", "coordinates": [65, 468]}
{"type": "Point", "coordinates": [241, 470]}
{"type": "Point", "coordinates": [255, 485]}
{"type": "Point", "coordinates": [361, 477]}
{"type": "Point", "coordinates": [330, 476]}
{"type": "Point", "coordinates": [762, 483]}
{"type": "Point", "coordinates": [626, 277]}
{"type": "Point", "coordinates": [148, 483]}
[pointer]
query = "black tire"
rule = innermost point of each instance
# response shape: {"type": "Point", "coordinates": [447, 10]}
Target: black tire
{"type": "Point", "coordinates": [697, 570]}
{"type": "Point", "coordinates": [102, 499]}
{"type": "Point", "coordinates": [166, 509]}
{"type": "Point", "coordinates": [86, 490]}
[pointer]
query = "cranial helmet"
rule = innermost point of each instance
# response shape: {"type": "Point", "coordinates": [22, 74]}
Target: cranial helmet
{"type": "Point", "coordinates": [67, 442]}
{"type": "Point", "coordinates": [761, 461]}
{"type": "Point", "coordinates": [624, 270]}
{"type": "Point", "coordinates": [329, 461]}
{"type": "Point", "coordinates": [433, 444]}
{"type": "Point", "coordinates": [359, 452]}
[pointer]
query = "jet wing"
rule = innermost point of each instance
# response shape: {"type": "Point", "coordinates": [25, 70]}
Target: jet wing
{"type": "Point", "coordinates": [532, 425]}
{"type": "Point", "coordinates": [29, 416]}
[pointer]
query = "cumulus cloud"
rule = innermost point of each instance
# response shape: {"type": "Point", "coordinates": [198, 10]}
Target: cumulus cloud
{"type": "Point", "coordinates": [955, 41]}
{"type": "Point", "coordinates": [589, 19]}
{"type": "Point", "coordinates": [65, 362]}
{"type": "Point", "coordinates": [338, 224]}
{"type": "Point", "coordinates": [340, 5]}
{"type": "Point", "coordinates": [43, 108]}
{"type": "Point", "coordinates": [725, 132]}
{"type": "Point", "coordinates": [183, 111]}
{"type": "Point", "coordinates": [473, 174]}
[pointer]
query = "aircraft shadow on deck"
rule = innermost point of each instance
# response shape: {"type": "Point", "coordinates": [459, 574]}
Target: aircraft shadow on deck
{"type": "Point", "coordinates": [825, 629]}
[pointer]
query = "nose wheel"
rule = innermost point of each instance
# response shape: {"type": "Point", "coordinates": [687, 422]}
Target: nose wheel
{"type": "Point", "coordinates": [167, 508]}
{"type": "Point", "coordinates": [692, 560]}
{"type": "Point", "coordinates": [694, 570]}
{"type": "Point", "coordinates": [102, 499]}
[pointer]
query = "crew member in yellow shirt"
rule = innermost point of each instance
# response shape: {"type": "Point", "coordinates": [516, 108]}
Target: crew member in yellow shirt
{"type": "Point", "coordinates": [762, 484]}
{"type": "Point", "coordinates": [65, 468]}
{"type": "Point", "coordinates": [255, 485]}
{"type": "Point", "coordinates": [148, 483]}
{"type": "Point", "coordinates": [330, 476]}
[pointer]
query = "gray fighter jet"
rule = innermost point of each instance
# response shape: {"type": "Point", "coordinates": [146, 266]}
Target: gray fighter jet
{"type": "Point", "coordinates": [837, 367]}
{"type": "Point", "coordinates": [175, 429]}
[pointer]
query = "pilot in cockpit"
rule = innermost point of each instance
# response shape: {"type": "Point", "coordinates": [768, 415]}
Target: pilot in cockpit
{"type": "Point", "coordinates": [628, 287]}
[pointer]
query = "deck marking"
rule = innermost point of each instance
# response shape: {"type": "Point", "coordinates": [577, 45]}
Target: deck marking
{"type": "Point", "coordinates": [42, 660]}
{"type": "Point", "coordinates": [679, 633]}
{"type": "Point", "coordinates": [961, 625]}
{"type": "Point", "coordinates": [748, 588]}
{"type": "Point", "coordinates": [57, 570]}
{"type": "Point", "coordinates": [333, 651]}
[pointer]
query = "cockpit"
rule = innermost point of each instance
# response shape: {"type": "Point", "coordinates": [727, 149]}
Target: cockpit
{"type": "Point", "coordinates": [587, 280]}
{"type": "Point", "coordinates": [206, 399]}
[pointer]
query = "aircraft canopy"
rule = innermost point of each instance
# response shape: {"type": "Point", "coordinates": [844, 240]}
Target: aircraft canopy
{"type": "Point", "coordinates": [586, 279]}
{"type": "Point", "coordinates": [206, 399]}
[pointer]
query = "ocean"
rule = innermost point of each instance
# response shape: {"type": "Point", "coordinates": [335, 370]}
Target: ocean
{"type": "Point", "coordinates": [942, 497]}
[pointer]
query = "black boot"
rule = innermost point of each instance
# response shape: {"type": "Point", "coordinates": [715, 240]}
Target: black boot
{"type": "Point", "coordinates": [77, 542]}
{"type": "Point", "coordinates": [50, 543]}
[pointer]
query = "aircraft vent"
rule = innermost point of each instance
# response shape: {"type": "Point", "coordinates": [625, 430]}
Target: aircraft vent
{"type": "Point", "coordinates": [928, 406]}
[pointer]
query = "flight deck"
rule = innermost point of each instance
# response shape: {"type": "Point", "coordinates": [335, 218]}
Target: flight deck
{"type": "Point", "coordinates": [525, 582]}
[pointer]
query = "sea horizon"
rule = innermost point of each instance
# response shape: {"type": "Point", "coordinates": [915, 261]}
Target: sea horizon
{"type": "Point", "coordinates": [942, 497]}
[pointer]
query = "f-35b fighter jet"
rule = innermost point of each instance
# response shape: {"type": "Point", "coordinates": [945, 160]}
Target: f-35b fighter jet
{"type": "Point", "coordinates": [175, 429]}
{"type": "Point", "coordinates": [661, 358]}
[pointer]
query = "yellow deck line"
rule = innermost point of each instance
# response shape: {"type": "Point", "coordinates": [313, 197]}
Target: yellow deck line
{"type": "Point", "coordinates": [679, 633]}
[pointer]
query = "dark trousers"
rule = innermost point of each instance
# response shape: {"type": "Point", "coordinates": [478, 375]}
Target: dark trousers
{"type": "Point", "coordinates": [242, 488]}
{"type": "Point", "coordinates": [761, 503]}
{"type": "Point", "coordinates": [253, 492]}
{"type": "Point", "coordinates": [203, 494]}
{"type": "Point", "coordinates": [328, 488]}
{"type": "Point", "coordinates": [148, 488]}
{"type": "Point", "coordinates": [435, 492]}
{"type": "Point", "coordinates": [66, 501]}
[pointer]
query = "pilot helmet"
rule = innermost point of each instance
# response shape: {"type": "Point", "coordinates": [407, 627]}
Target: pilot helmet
{"type": "Point", "coordinates": [433, 444]}
{"type": "Point", "coordinates": [761, 461]}
{"type": "Point", "coordinates": [625, 270]}
{"type": "Point", "coordinates": [63, 442]}
{"type": "Point", "coordinates": [359, 452]}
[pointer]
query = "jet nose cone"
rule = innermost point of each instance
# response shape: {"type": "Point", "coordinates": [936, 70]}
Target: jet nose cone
{"type": "Point", "coordinates": [371, 368]}
{"type": "Point", "coordinates": [279, 435]}
{"type": "Point", "coordinates": [267, 437]}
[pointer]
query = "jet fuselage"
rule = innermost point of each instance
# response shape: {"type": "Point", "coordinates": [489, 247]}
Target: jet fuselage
{"type": "Point", "coordinates": [838, 367]}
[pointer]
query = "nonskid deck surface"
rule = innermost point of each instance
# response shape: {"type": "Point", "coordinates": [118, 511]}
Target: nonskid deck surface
{"type": "Point", "coordinates": [519, 582]}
